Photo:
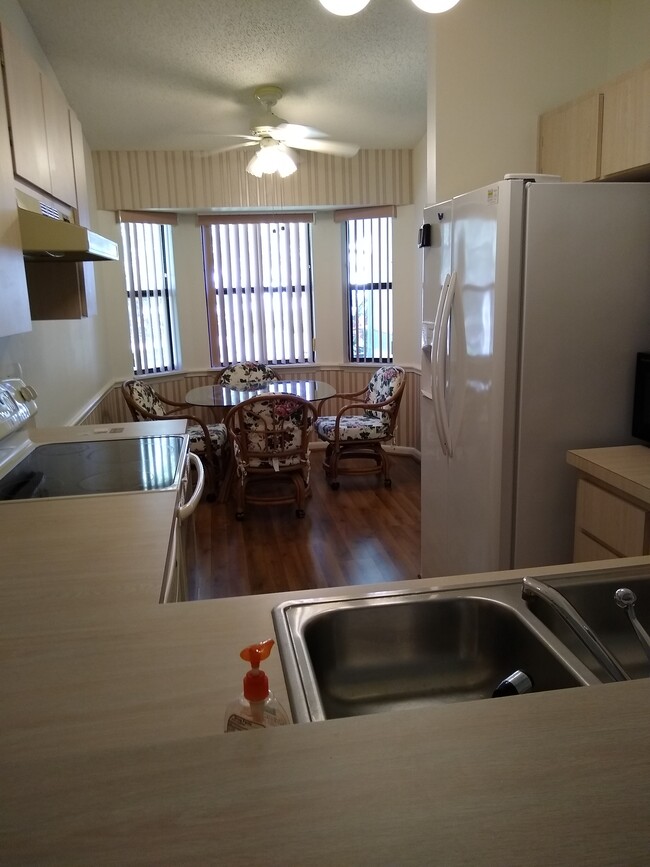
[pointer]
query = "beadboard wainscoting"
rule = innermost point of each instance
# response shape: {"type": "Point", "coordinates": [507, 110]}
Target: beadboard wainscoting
{"type": "Point", "coordinates": [137, 180]}
{"type": "Point", "coordinates": [111, 408]}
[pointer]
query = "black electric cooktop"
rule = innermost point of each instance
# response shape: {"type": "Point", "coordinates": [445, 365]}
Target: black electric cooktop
{"type": "Point", "coordinates": [101, 467]}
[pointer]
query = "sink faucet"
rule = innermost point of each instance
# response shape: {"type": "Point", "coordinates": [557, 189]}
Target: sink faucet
{"type": "Point", "coordinates": [626, 599]}
{"type": "Point", "coordinates": [585, 633]}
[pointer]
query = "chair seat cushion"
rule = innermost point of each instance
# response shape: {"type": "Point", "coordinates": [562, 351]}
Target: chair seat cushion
{"type": "Point", "coordinates": [246, 373]}
{"type": "Point", "coordinates": [382, 387]}
{"type": "Point", "coordinates": [351, 427]}
{"type": "Point", "coordinates": [144, 395]}
{"type": "Point", "coordinates": [218, 437]}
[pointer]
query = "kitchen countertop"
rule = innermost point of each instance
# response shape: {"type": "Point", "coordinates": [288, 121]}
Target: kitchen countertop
{"type": "Point", "coordinates": [622, 468]}
{"type": "Point", "coordinates": [112, 751]}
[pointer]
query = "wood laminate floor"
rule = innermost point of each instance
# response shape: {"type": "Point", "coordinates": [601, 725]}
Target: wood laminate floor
{"type": "Point", "coordinates": [360, 534]}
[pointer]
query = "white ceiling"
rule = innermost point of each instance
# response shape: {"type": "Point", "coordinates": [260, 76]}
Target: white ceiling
{"type": "Point", "coordinates": [174, 74]}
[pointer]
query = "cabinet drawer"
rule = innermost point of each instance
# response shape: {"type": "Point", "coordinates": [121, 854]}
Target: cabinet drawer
{"type": "Point", "coordinates": [618, 525]}
{"type": "Point", "coordinates": [586, 549]}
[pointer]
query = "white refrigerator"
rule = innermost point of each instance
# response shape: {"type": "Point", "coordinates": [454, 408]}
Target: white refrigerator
{"type": "Point", "coordinates": [536, 299]}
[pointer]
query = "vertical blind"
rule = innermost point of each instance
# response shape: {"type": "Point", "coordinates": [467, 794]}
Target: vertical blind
{"type": "Point", "coordinates": [149, 273]}
{"type": "Point", "coordinates": [258, 275]}
{"type": "Point", "coordinates": [369, 267]}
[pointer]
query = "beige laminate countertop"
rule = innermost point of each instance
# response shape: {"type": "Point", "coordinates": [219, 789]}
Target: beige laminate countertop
{"type": "Point", "coordinates": [112, 751]}
{"type": "Point", "coordinates": [623, 468]}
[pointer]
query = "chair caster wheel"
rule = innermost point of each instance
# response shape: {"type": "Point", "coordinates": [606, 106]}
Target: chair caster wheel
{"type": "Point", "coordinates": [300, 513]}
{"type": "Point", "coordinates": [239, 516]}
{"type": "Point", "coordinates": [388, 483]}
{"type": "Point", "coordinates": [334, 486]}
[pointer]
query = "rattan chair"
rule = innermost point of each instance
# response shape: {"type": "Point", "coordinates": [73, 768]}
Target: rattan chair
{"type": "Point", "coordinates": [362, 426]}
{"type": "Point", "coordinates": [270, 436]}
{"type": "Point", "coordinates": [246, 373]}
{"type": "Point", "coordinates": [208, 441]}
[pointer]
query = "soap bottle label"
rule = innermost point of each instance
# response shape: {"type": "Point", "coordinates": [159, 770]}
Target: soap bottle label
{"type": "Point", "coordinates": [238, 723]}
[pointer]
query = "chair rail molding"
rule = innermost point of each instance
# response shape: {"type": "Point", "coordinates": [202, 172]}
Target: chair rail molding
{"type": "Point", "coordinates": [109, 406]}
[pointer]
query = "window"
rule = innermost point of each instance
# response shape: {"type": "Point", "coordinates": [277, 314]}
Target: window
{"type": "Point", "coordinates": [369, 273]}
{"type": "Point", "coordinates": [258, 279]}
{"type": "Point", "coordinates": [151, 301]}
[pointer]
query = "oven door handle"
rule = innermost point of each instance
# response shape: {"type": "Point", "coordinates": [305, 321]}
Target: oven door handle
{"type": "Point", "coordinates": [187, 509]}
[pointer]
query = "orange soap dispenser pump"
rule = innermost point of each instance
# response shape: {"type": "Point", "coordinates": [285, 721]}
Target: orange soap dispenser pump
{"type": "Point", "coordinates": [256, 707]}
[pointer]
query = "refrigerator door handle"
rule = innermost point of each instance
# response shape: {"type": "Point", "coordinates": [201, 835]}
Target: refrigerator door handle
{"type": "Point", "coordinates": [433, 368]}
{"type": "Point", "coordinates": [442, 385]}
{"type": "Point", "coordinates": [438, 385]}
{"type": "Point", "coordinates": [435, 363]}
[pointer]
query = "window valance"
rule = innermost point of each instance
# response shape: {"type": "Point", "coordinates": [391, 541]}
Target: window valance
{"type": "Point", "coordinates": [365, 213]}
{"type": "Point", "coordinates": [158, 218]}
{"type": "Point", "coordinates": [275, 217]}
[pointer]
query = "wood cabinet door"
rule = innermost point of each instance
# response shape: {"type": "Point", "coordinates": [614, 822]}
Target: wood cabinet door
{"type": "Point", "coordinates": [626, 122]}
{"type": "Point", "coordinates": [26, 115]}
{"type": "Point", "coordinates": [610, 520]}
{"type": "Point", "coordinates": [569, 139]}
{"type": "Point", "coordinates": [83, 211]}
{"type": "Point", "coordinates": [59, 144]}
{"type": "Point", "coordinates": [15, 316]}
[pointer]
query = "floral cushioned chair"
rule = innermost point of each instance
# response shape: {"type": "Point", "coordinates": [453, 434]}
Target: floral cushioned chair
{"type": "Point", "coordinates": [270, 436]}
{"type": "Point", "coordinates": [206, 440]}
{"type": "Point", "coordinates": [361, 435]}
{"type": "Point", "coordinates": [246, 373]}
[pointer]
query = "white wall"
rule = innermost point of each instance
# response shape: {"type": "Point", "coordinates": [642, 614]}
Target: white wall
{"type": "Point", "coordinates": [190, 294]}
{"type": "Point", "coordinates": [629, 35]}
{"type": "Point", "coordinates": [111, 305]}
{"type": "Point", "coordinates": [411, 303]}
{"type": "Point", "coordinates": [327, 247]}
{"type": "Point", "coordinates": [495, 67]}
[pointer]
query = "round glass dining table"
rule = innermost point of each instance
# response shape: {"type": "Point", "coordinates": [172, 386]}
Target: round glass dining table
{"type": "Point", "coordinates": [223, 395]}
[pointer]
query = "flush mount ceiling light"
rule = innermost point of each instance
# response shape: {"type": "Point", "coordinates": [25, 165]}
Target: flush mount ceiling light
{"type": "Point", "coordinates": [435, 5]}
{"type": "Point", "coordinates": [344, 7]}
{"type": "Point", "coordinates": [351, 7]}
{"type": "Point", "coordinates": [272, 157]}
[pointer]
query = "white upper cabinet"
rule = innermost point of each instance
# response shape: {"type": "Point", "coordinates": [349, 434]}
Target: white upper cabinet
{"type": "Point", "coordinates": [39, 124]}
{"type": "Point", "coordinates": [602, 133]}
{"type": "Point", "coordinates": [26, 115]}
{"type": "Point", "coordinates": [89, 302]}
{"type": "Point", "coordinates": [15, 314]}
{"type": "Point", "coordinates": [626, 121]}
{"type": "Point", "coordinates": [59, 143]}
{"type": "Point", "coordinates": [569, 139]}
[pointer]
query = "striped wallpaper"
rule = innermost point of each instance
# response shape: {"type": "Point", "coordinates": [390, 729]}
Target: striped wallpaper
{"type": "Point", "coordinates": [111, 409]}
{"type": "Point", "coordinates": [138, 180]}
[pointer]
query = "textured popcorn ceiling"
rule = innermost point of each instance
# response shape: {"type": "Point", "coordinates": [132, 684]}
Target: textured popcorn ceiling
{"type": "Point", "coordinates": [177, 74]}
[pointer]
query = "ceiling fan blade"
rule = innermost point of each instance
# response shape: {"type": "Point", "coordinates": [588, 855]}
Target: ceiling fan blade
{"type": "Point", "coordinates": [323, 146]}
{"type": "Point", "coordinates": [235, 135]}
{"type": "Point", "coordinates": [234, 147]}
{"type": "Point", "coordinates": [295, 131]}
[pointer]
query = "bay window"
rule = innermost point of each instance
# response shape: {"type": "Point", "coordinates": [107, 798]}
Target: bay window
{"type": "Point", "coordinates": [150, 290]}
{"type": "Point", "coordinates": [258, 281]}
{"type": "Point", "coordinates": [368, 252]}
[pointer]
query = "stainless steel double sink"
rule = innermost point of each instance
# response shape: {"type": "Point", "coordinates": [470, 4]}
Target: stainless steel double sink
{"type": "Point", "coordinates": [379, 652]}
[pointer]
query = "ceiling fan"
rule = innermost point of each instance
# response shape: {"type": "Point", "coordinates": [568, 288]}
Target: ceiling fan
{"type": "Point", "coordinates": [277, 139]}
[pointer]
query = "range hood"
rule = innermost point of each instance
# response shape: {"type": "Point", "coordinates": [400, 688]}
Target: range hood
{"type": "Point", "coordinates": [49, 236]}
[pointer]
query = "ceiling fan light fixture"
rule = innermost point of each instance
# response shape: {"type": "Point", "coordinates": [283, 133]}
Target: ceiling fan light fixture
{"type": "Point", "coordinates": [344, 7]}
{"type": "Point", "coordinates": [351, 7]}
{"type": "Point", "coordinates": [271, 158]}
{"type": "Point", "coordinates": [435, 6]}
